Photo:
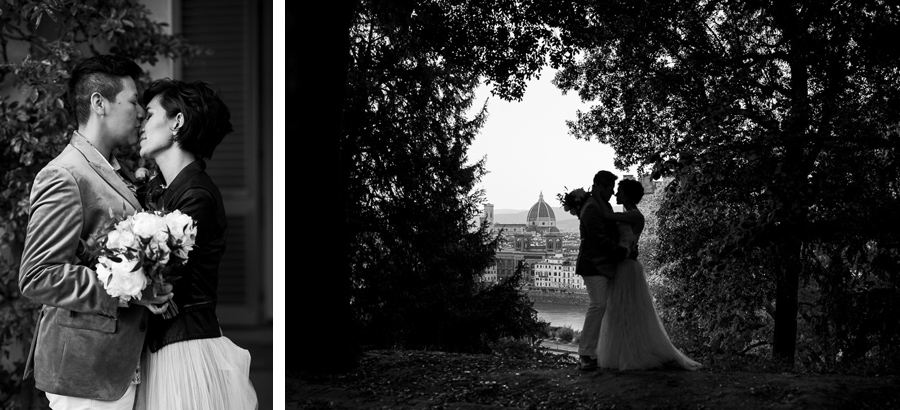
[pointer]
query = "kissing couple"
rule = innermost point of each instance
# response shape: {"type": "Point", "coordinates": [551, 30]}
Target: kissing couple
{"type": "Point", "coordinates": [622, 330]}
{"type": "Point", "coordinates": [95, 350]}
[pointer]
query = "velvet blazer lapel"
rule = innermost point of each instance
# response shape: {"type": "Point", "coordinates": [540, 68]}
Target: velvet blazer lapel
{"type": "Point", "coordinates": [101, 167]}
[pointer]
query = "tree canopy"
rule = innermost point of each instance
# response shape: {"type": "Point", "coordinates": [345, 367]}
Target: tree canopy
{"type": "Point", "coordinates": [415, 258]}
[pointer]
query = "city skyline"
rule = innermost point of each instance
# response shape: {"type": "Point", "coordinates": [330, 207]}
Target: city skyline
{"type": "Point", "coordinates": [529, 150]}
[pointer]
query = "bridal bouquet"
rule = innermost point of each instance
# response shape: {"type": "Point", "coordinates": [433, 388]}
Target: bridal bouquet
{"type": "Point", "coordinates": [573, 201]}
{"type": "Point", "coordinates": [140, 251]}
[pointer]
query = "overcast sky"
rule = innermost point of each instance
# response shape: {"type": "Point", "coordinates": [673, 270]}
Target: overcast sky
{"type": "Point", "coordinates": [529, 150]}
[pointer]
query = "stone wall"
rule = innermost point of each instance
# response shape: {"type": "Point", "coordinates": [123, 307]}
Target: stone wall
{"type": "Point", "coordinates": [574, 297]}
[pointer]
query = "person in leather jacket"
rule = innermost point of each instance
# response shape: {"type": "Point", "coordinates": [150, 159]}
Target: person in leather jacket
{"type": "Point", "coordinates": [187, 361]}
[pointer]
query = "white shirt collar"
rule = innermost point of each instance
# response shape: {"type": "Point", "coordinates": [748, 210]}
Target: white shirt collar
{"type": "Point", "coordinates": [115, 163]}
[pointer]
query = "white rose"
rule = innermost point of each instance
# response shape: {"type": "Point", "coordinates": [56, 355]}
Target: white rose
{"type": "Point", "coordinates": [180, 225]}
{"type": "Point", "coordinates": [142, 174]}
{"type": "Point", "coordinates": [120, 240]}
{"type": "Point", "coordinates": [148, 225]}
{"type": "Point", "coordinates": [159, 252]}
{"type": "Point", "coordinates": [112, 240]}
{"type": "Point", "coordinates": [120, 279]}
{"type": "Point", "coordinates": [103, 270]}
{"type": "Point", "coordinates": [189, 238]}
{"type": "Point", "coordinates": [124, 225]}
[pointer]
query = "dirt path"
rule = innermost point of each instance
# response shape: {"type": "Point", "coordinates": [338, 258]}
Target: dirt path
{"type": "Point", "coordinates": [436, 380]}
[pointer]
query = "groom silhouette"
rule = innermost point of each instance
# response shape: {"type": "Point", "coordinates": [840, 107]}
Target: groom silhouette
{"type": "Point", "coordinates": [598, 254]}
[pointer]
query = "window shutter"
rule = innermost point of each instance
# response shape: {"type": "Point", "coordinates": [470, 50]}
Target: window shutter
{"type": "Point", "coordinates": [229, 29]}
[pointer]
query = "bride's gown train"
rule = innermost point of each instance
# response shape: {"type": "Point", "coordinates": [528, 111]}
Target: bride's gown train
{"type": "Point", "coordinates": [632, 336]}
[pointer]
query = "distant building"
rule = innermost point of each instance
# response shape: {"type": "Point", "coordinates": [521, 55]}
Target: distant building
{"type": "Point", "coordinates": [557, 271]}
{"type": "Point", "coordinates": [507, 261]}
{"type": "Point", "coordinates": [546, 255]}
{"type": "Point", "coordinates": [541, 218]}
{"type": "Point", "coordinates": [530, 243]}
{"type": "Point", "coordinates": [509, 228]}
{"type": "Point", "coordinates": [648, 183]}
{"type": "Point", "coordinates": [488, 215]}
{"type": "Point", "coordinates": [490, 274]}
{"type": "Point", "coordinates": [488, 218]}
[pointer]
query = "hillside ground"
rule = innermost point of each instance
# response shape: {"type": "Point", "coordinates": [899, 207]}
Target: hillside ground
{"type": "Point", "coordinates": [514, 379]}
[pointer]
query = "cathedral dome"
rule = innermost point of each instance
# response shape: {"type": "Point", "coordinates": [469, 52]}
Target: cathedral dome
{"type": "Point", "coordinates": [541, 214]}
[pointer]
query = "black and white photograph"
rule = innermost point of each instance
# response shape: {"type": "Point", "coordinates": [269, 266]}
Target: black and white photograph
{"type": "Point", "coordinates": [606, 204]}
{"type": "Point", "coordinates": [138, 148]}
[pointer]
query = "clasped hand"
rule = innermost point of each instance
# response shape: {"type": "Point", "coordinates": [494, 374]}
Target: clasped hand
{"type": "Point", "coordinates": [156, 302]}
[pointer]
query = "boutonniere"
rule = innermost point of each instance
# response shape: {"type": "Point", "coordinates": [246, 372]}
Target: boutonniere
{"type": "Point", "coordinates": [139, 183]}
{"type": "Point", "coordinates": [142, 175]}
{"type": "Point", "coordinates": [150, 192]}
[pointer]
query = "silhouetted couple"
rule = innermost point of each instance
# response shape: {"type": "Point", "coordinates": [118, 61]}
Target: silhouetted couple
{"type": "Point", "coordinates": [622, 330]}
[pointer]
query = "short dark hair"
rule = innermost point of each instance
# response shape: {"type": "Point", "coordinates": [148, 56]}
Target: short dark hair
{"type": "Point", "coordinates": [632, 188]}
{"type": "Point", "coordinates": [605, 178]}
{"type": "Point", "coordinates": [101, 73]}
{"type": "Point", "coordinates": [206, 117]}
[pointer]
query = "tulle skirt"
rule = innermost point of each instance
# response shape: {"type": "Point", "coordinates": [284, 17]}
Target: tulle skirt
{"type": "Point", "coordinates": [632, 336]}
{"type": "Point", "coordinates": [201, 374]}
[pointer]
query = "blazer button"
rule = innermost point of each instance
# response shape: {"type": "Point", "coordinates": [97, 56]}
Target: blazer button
{"type": "Point", "coordinates": [143, 326]}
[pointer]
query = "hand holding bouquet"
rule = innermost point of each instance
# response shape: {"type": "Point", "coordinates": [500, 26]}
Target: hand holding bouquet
{"type": "Point", "coordinates": [141, 250]}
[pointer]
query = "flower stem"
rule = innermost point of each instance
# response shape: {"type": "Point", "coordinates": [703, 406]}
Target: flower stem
{"type": "Point", "coordinates": [171, 311]}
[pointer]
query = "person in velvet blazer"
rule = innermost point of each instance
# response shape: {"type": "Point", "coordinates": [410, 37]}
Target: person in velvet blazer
{"type": "Point", "coordinates": [87, 344]}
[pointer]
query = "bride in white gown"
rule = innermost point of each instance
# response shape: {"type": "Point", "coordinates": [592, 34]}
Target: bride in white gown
{"type": "Point", "coordinates": [632, 336]}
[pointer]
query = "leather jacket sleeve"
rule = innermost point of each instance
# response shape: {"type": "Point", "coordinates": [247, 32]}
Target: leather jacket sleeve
{"type": "Point", "coordinates": [199, 276]}
{"type": "Point", "coordinates": [195, 289]}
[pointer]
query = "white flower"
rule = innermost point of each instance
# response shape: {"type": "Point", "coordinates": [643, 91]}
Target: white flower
{"type": "Point", "coordinates": [181, 227]}
{"type": "Point", "coordinates": [189, 239]}
{"type": "Point", "coordinates": [142, 174]}
{"type": "Point", "coordinates": [149, 225]}
{"type": "Point", "coordinates": [120, 279]}
{"type": "Point", "coordinates": [120, 239]}
{"type": "Point", "coordinates": [125, 225]}
{"type": "Point", "coordinates": [158, 252]}
{"type": "Point", "coordinates": [182, 252]}
{"type": "Point", "coordinates": [151, 238]}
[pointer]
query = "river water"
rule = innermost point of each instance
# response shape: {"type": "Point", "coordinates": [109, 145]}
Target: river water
{"type": "Point", "coordinates": [561, 314]}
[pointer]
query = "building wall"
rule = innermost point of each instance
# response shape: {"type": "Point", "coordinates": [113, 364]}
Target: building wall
{"type": "Point", "coordinates": [557, 272]}
{"type": "Point", "coordinates": [239, 33]}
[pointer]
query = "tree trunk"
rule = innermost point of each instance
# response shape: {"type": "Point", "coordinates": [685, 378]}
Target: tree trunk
{"type": "Point", "coordinates": [318, 325]}
{"type": "Point", "coordinates": [790, 180]}
{"type": "Point", "coordinates": [787, 289]}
